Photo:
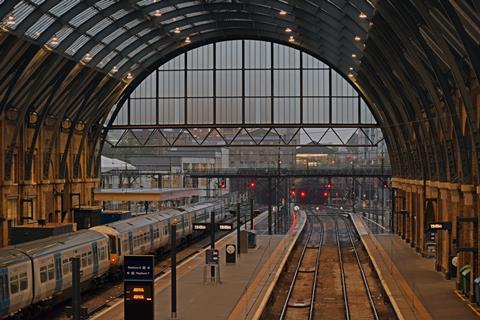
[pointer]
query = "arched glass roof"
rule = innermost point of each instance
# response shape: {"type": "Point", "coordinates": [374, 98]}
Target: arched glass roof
{"type": "Point", "coordinates": [130, 36]}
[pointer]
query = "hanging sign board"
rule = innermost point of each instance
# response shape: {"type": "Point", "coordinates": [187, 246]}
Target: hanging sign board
{"type": "Point", "coordinates": [440, 225]}
{"type": "Point", "coordinates": [200, 226]}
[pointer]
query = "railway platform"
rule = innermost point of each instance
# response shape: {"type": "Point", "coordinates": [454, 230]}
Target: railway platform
{"type": "Point", "coordinates": [244, 288]}
{"type": "Point", "coordinates": [415, 289]}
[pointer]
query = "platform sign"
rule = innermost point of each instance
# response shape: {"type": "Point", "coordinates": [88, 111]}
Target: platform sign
{"type": "Point", "coordinates": [224, 226]}
{"type": "Point", "coordinates": [200, 226]}
{"type": "Point", "coordinates": [440, 225]}
{"type": "Point", "coordinates": [139, 287]}
{"type": "Point", "coordinates": [230, 253]}
{"type": "Point", "coordinates": [211, 256]}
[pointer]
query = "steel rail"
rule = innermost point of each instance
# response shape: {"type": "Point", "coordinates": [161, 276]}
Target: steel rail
{"type": "Point", "coordinates": [342, 272]}
{"type": "Point", "coordinates": [362, 271]}
{"type": "Point", "coordinates": [297, 270]}
{"type": "Point", "coordinates": [317, 267]}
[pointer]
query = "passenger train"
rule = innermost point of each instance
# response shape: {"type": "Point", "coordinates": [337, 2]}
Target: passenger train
{"type": "Point", "coordinates": [37, 274]}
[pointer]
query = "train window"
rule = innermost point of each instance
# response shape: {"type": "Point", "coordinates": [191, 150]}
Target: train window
{"type": "Point", "coordinates": [14, 284]}
{"type": "Point", "coordinates": [3, 289]}
{"type": "Point", "coordinates": [84, 260]}
{"type": "Point", "coordinates": [66, 266]}
{"type": "Point", "coordinates": [102, 253]}
{"type": "Point", "coordinates": [51, 272]}
{"type": "Point", "coordinates": [90, 261]}
{"type": "Point", "coordinates": [23, 281]}
{"type": "Point", "coordinates": [43, 274]}
{"type": "Point", "coordinates": [113, 244]}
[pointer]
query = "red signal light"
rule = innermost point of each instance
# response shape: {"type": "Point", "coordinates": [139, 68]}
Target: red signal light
{"type": "Point", "coordinates": [329, 185]}
{"type": "Point", "coordinates": [303, 194]}
{"type": "Point", "coordinates": [252, 184]}
{"type": "Point", "coordinates": [293, 192]}
{"type": "Point", "coordinates": [325, 194]}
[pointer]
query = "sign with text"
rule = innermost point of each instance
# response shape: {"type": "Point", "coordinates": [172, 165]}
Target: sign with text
{"type": "Point", "coordinates": [224, 226]}
{"type": "Point", "coordinates": [200, 226]}
{"type": "Point", "coordinates": [139, 287]}
{"type": "Point", "coordinates": [211, 256]}
{"type": "Point", "coordinates": [440, 225]}
{"type": "Point", "coordinates": [138, 268]}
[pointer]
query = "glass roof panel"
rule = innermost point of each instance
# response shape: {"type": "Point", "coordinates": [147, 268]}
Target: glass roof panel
{"type": "Point", "coordinates": [39, 26]}
{"type": "Point", "coordinates": [145, 2]}
{"type": "Point", "coordinates": [37, 2]}
{"type": "Point", "coordinates": [113, 35]}
{"type": "Point", "coordinates": [103, 4]}
{"type": "Point", "coordinates": [144, 32]}
{"type": "Point", "coordinates": [137, 50]}
{"type": "Point", "coordinates": [133, 23]}
{"type": "Point", "coordinates": [154, 39]}
{"type": "Point", "coordinates": [120, 13]}
{"type": "Point", "coordinates": [20, 12]}
{"type": "Point", "coordinates": [83, 16]}
{"type": "Point", "coordinates": [79, 42]}
{"type": "Point", "coordinates": [63, 6]}
{"type": "Point", "coordinates": [107, 59]}
{"type": "Point", "coordinates": [127, 42]}
{"type": "Point", "coordinates": [99, 26]}
{"type": "Point", "coordinates": [148, 55]}
{"type": "Point", "coordinates": [187, 4]}
{"type": "Point", "coordinates": [64, 33]}
{"type": "Point", "coordinates": [122, 62]}
{"type": "Point", "coordinates": [96, 49]}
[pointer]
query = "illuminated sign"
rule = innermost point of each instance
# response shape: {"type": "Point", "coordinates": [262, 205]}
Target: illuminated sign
{"type": "Point", "coordinates": [224, 227]}
{"type": "Point", "coordinates": [440, 225]}
{"type": "Point", "coordinates": [200, 226]}
{"type": "Point", "coordinates": [139, 287]}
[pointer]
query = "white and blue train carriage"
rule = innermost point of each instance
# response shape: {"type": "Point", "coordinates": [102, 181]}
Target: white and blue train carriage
{"type": "Point", "coordinates": [140, 235]}
{"type": "Point", "coordinates": [52, 268]}
{"type": "Point", "coordinates": [35, 273]}
{"type": "Point", "coordinates": [16, 289]}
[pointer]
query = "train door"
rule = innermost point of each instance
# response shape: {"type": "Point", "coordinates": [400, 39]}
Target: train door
{"type": "Point", "coordinates": [95, 258]}
{"type": "Point", "coordinates": [4, 292]}
{"type": "Point", "coordinates": [57, 257]}
{"type": "Point", "coordinates": [152, 247]}
{"type": "Point", "coordinates": [183, 226]}
{"type": "Point", "coordinates": [130, 242]}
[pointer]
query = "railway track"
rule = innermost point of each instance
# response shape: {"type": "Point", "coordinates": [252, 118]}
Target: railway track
{"type": "Point", "coordinates": [355, 287]}
{"type": "Point", "coordinates": [300, 300]}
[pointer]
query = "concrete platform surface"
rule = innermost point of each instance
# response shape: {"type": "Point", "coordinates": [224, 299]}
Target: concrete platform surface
{"type": "Point", "coordinates": [417, 291]}
{"type": "Point", "coordinates": [245, 285]}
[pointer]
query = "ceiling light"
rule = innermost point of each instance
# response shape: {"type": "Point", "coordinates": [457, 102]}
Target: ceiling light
{"type": "Point", "coordinates": [87, 58]}
{"type": "Point", "coordinates": [177, 30]}
{"type": "Point", "coordinates": [291, 39]}
{"type": "Point", "coordinates": [288, 30]}
{"type": "Point", "coordinates": [129, 76]}
{"type": "Point", "coordinates": [354, 55]}
{"type": "Point", "coordinates": [351, 75]}
{"type": "Point", "coordinates": [282, 12]}
{"type": "Point", "coordinates": [10, 21]}
{"type": "Point", "coordinates": [362, 15]}
{"type": "Point", "coordinates": [114, 69]}
{"type": "Point", "coordinates": [54, 41]}
{"type": "Point", "coordinates": [188, 40]}
{"type": "Point", "coordinates": [351, 68]}
{"type": "Point", "coordinates": [357, 38]}
{"type": "Point", "coordinates": [157, 13]}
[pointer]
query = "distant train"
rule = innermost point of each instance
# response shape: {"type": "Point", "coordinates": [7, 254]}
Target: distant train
{"type": "Point", "coordinates": [37, 274]}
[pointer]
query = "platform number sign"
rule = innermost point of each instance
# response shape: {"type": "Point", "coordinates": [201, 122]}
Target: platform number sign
{"type": "Point", "coordinates": [139, 287]}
